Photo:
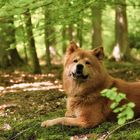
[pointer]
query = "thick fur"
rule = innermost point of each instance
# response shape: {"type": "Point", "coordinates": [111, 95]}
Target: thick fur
{"type": "Point", "coordinates": [85, 106]}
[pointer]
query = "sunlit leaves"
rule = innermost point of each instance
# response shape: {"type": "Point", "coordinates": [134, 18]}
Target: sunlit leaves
{"type": "Point", "coordinates": [15, 7]}
{"type": "Point", "coordinates": [124, 111]}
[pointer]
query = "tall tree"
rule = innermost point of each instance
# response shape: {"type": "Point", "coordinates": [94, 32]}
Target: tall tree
{"type": "Point", "coordinates": [4, 61]}
{"type": "Point", "coordinates": [49, 36]}
{"type": "Point", "coordinates": [31, 43]}
{"type": "Point", "coordinates": [15, 58]}
{"type": "Point", "coordinates": [64, 39]}
{"type": "Point", "coordinates": [70, 32]}
{"type": "Point", "coordinates": [4, 37]}
{"type": "Point", "coordinates": [121, 31]}
{"type": "Point", "coordinates": [79, 31]}
{"type": "Point", "coordinates": [8, 55]}
{"type": "Point", "coordinates": [96, 25]}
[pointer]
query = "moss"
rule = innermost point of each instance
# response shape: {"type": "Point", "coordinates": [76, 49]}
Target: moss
{"type": "Point", "coordinates": [31, 129]}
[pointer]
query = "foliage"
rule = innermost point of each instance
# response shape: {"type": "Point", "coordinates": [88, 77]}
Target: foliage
{"type": "Point", "coordinates": [124, 112]}
{"type": "Point", "coordinates": [134, 40]}
{"type": "Point", "coordinates": [62, 15]}
{"type": "Point", "coordinates": [65, 13]}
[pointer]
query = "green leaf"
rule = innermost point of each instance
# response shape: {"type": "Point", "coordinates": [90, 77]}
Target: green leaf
{"type": "Point", "coordinates": [120, 97]}
{"type": "Point", "coordinates": [132, 105]}
{"type": "Point", "coordinates": [122, 114]}
{"type": "Point", "coordinates": [114, 89]}
{"type": "Point", "coordinates": [130, 113]}
{"type": "Point", "coordinates": [121, 120]}
{"type": "Point", "coordinates": [118, 109]}
{"type": "Point", "coordinates": [114, 105]}
{"type": "Point", "coordinates": [103, 92]}
{"type": "Point", "coordinates": [109, 93]}
{"type": "Point", "coordinates": [113, 95]}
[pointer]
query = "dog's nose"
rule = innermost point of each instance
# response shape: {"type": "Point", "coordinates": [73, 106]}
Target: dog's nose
{"type": "Point", "coordinates": [80, 67]}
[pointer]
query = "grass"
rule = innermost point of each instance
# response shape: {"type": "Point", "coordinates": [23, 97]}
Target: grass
{"type": "Point", "coordinates": [30, 129]}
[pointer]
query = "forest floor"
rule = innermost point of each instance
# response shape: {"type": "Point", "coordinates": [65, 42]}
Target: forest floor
{"type": "Point", "coordinates": [28, 99]}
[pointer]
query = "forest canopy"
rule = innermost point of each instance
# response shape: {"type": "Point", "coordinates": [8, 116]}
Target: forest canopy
{"type": "Point", "coordinates": [38, 32]}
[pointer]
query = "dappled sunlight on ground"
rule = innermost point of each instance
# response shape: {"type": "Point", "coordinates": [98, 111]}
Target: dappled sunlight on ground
{"type": "Point", "coordinates": [31, 87]}
{"type": "Point", "coordinates": [24, 95]}
{"type": "Point", "coordinates": [18, 82]}
{"type": "Point", "coordinates": [25, 91]}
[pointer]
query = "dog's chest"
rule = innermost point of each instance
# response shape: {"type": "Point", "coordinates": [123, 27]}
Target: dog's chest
{"type": "Point", "coordinates": [80, 109]}
{"type": "Point", "coordinates": [77, 112]}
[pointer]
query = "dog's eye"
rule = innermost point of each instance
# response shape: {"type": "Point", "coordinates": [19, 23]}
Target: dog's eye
{"type": "Point", "coordinates": [75, 60]}
{"type": "Point", "coordinates": [87, 62]}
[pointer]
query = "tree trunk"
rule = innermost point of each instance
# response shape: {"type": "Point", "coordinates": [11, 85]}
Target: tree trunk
{"type": "Point", "coordinates": [4, 61]}
{"type": "Point", "coordinates": [15, 58]}
{"type": "Point", "coordinates": [25, 42]}
{"type": "Point", "coordinates": [8, 54]}
{"type": "Point", "coordinates": [48, 33]}
{"type": "Point", "coordinates": [64, 46]}
{"type": "Point", "coordinates": [4, 44]}
{"type": "Point", "coordinates": [70, 32]}
{"type": "Point", "coordinates": [121, 32]}
{"type": "Point", "coordinates": [97, 26]}
{"type": "Point", "coordinates": [31, 43]}
{"type": "Point", "coordinates": [79, 32]}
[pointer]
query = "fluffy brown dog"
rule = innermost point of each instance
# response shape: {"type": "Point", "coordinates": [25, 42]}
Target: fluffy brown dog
{"type": "Point", "coordinates": [84, 78]}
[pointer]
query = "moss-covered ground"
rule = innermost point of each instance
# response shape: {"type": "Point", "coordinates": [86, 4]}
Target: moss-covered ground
{"type": "Point", "coordinates": [26, 100]}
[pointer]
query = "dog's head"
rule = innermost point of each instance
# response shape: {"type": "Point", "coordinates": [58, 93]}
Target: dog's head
{"type": "Point", "coordinates": [82, 65]}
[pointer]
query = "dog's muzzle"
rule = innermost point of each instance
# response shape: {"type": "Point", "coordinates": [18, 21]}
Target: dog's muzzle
{"type": "Point", "coordinates": [79, 72]}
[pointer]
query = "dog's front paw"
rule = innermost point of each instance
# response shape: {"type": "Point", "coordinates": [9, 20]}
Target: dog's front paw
{"type": "Point", "coordinates": [46, 123]}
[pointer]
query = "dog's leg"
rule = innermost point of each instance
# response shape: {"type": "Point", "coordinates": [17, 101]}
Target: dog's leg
{"type": "Point", "coordinates": [69, 114]}
{"type": "Point", "coordinates": [66, 121]}
{"type": "Point", "coordinates": [70, 111]}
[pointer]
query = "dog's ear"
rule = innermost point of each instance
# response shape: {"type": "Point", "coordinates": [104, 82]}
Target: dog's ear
{"type": "Point", "coordinates": [72, 48]}
{"type": "Point", "coordinates": [99, 53]}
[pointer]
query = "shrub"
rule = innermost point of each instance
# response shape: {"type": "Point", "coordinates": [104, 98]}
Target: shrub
{"type": "Point", "coordinates": [124, 112]}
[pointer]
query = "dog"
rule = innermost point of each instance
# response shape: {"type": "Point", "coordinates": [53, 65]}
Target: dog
{"type": "Point", "coordinates": [84, 78]}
